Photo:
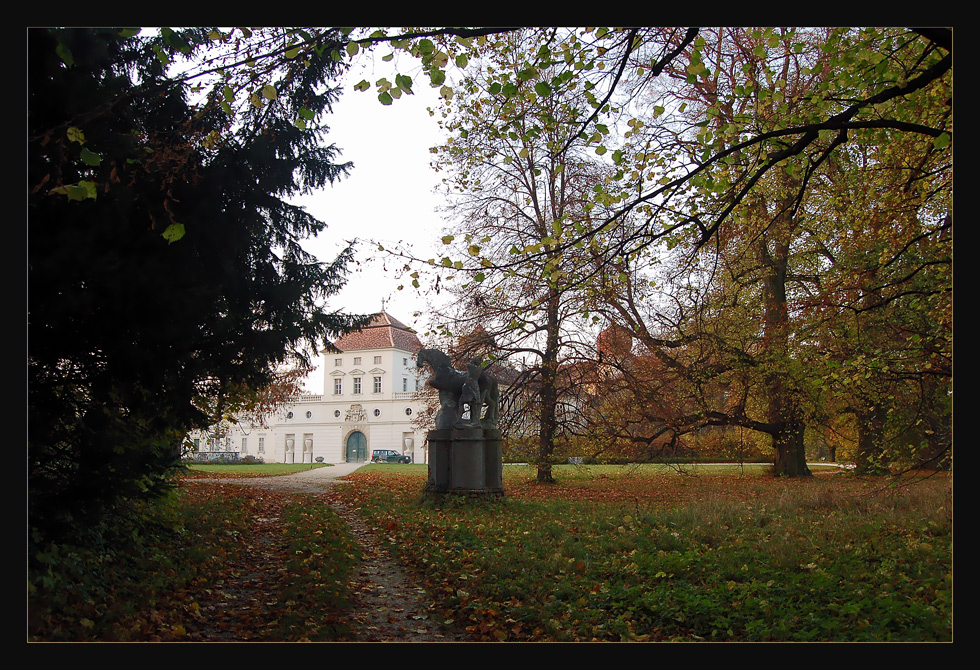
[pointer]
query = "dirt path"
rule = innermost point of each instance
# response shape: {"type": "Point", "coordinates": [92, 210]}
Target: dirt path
{"type": "Point", "coordinates": [388, 605]}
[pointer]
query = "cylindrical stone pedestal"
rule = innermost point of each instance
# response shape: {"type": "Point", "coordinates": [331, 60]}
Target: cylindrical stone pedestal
{"type": "Point", "coordinates": [465, 461]}
{"type": "Point", "coordinates": [440, 443]}
{"type": "Point", "coordinates": [467, 469]}
{"type": "Point", "coordinates": [493, 460]}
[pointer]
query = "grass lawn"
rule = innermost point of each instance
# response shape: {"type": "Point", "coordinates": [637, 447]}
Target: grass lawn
{"type": "Point", "coordinates": [668, 553]}
{"type": "Point", "coordinates": [254, 470]}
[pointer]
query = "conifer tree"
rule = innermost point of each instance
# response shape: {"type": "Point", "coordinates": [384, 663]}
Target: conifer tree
{"type": "Point", "coordinates": [164, 259]}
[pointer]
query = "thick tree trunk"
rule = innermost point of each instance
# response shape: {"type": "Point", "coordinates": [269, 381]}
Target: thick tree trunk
{"type": "Point", "coordinates": [784, 411]}
{"type": "Point", "coordinates": [790, 451]}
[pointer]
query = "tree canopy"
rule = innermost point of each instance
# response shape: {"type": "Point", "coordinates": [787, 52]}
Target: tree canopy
{"type": "Point", "coordinates": [760, 159]}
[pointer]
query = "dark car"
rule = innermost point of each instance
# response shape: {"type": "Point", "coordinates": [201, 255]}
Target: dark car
{"type": "Point", "coordinates": [389, 456]}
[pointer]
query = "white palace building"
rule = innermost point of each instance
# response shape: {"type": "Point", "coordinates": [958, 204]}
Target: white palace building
{"type": "Point", "coordinates": [369, 401]}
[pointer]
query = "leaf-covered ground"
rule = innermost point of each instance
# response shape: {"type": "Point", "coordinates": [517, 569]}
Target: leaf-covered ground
{"type": "Point", "coordinates": [627, 554]}
{"type": "Point", "coordinates": [606, 554]}
{"type": "Point", "coordinates": [229, 564]}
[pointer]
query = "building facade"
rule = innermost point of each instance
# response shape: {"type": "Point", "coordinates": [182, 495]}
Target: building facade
{"type": "Point", "coordinates": [369, 402]}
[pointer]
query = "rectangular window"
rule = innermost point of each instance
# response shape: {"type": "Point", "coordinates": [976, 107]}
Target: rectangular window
{"type": "Point", "coordinates": [404, 383]}
{"type": "Point", "coordinates": [357, 360]}
{"type": "Point", "coordinates": [357, 385]}
{"type": "Point", "coordinates": [405, 362]}
{"type": "Point", "coordinates": [377, 360]}
{"type": "Point", "coordinates": [377, 384]}
{"type": "Point", "coordinates": [261, 445]}
{"type": "Point", "coordinates": [244, 445]}
{"type": "Point", "coordinates": [337, 362]}
{"type": "Point", "coordinates": [338, 386]}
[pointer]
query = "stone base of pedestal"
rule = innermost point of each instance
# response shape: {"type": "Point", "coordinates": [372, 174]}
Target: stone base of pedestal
{"type": "Point", "coordinates": [465, 462]}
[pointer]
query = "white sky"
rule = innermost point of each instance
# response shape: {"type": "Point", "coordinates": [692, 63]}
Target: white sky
{"type": "Point", "coordinates": [387, 198]}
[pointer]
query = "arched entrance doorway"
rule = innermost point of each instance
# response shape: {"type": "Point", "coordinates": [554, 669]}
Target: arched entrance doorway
{"type": "Point", "coordinates": [356, 447]}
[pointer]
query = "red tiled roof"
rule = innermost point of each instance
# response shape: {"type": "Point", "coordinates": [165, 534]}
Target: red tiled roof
{"type": "Point", "coordinates": [381, 332]}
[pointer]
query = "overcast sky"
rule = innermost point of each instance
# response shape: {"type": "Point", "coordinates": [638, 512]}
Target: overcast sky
{"type": "Point", "coordinates": [387, 198]}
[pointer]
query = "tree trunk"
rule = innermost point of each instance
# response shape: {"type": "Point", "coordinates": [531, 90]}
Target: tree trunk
{"type": "Point", "coordinates": [548, 420]}
{"type": "Point", "coordinates": [790, 451]}
{"type": "Point", "coordinates": [783, 406]}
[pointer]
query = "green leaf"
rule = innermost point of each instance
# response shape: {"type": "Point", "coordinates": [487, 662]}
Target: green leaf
{"type": "Point", "coordinates": [173, 232]}
{"type": "Point", "coordinates": [269, 92]}
{"type": "Point", "coordinates": [90, 157]}
{"type": "Point", "coordinates": [437, 78]}
{"type": "Point", "coordinates": [942, 141]}
{"type": "Point", "coordinates": [543, 89]}
{"type": "Point", "coordinates": [80, 191]}
{"type": "Point", "coordinates": [404, 82]}
{"type": "Point", "coordinates": [385, 98]}
{"type": "Point", "coordinates": [448, 239]}
{"type": "Point", "coordinates": [64, 53]}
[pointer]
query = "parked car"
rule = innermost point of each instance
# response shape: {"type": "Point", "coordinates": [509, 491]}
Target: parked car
{"type": "Point", "coordinates": [389, 456]}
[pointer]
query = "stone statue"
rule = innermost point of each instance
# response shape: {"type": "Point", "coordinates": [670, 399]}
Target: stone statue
{"type": "Point", "coordinates": [465, 455]}
{"type": "Point", "coordinates": [473, 389]}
